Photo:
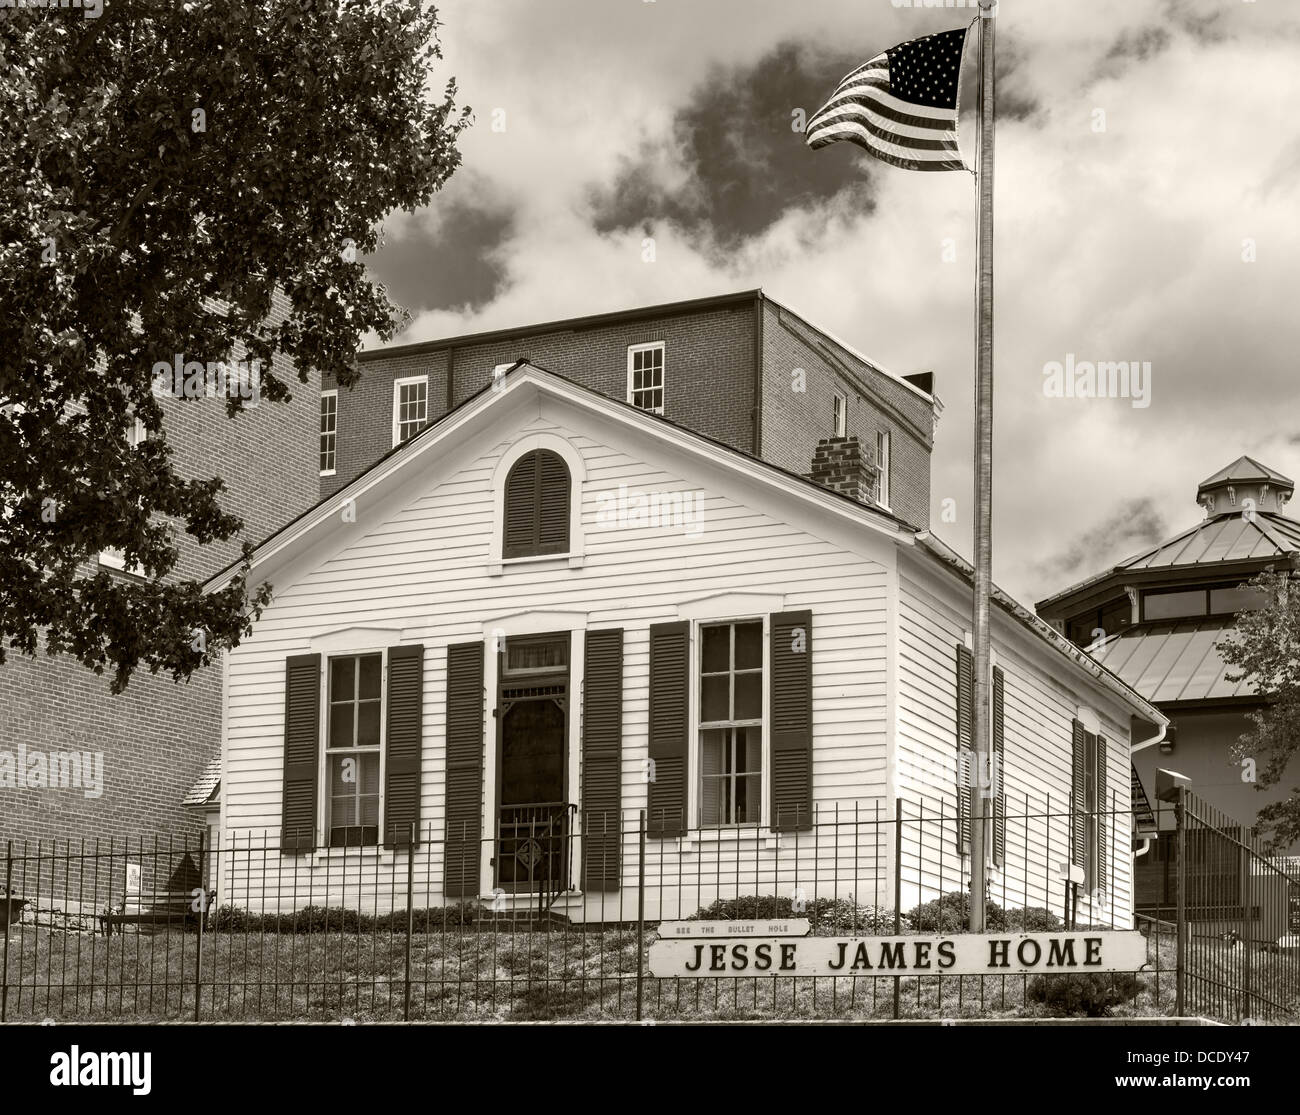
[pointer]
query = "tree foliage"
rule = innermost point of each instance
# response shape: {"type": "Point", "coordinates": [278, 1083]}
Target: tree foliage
{"type": "Point", "coordinates": [164, 169]}
{"type": "Point", "coordinates": [1265, 647]}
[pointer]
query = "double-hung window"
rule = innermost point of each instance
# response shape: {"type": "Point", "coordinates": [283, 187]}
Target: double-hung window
{"type": "Point", "coordinates": [352, 749]}
{"type": "Point", "coordinates": [882, 464]}
{"type": "Point", "coordinates": [329, 425]}
{"type": "Point", "coordinates": [840, 415]}
{"type": "Point", "coordinates": [410, 407]}
{"type": "Point", "coordinates": [645, 377]}
{"type": "Point", "coordinates": [731, 723]}
{"type": "Point", "coordinates": [110, 557]}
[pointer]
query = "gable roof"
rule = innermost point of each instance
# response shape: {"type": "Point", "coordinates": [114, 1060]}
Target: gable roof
{"type": "Point", "coordinates": [524, 382]}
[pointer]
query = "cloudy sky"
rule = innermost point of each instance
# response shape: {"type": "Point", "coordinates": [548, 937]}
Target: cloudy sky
{"type": "Point", "coordinates": [1148, 209]}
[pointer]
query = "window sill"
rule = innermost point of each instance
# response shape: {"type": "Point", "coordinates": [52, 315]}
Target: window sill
{"type": "Point", "coordinates": [543, 561]}
{"type": "Point", "coordinates": [330, 472]}
{"type": "Point", "coordinates": [743, 834]}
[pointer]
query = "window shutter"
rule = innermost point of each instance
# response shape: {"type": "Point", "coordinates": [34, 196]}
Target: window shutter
{"type": "Point", "coordinates": [1103, 817]}
{"type": "Point", "coordinates": [1078, 830]}
{"type": "Point", "coordinates": [301, 753]}
{"type": "Point", "coordinates": [602, 759]}
{"type": "Point", "coordinates": [552, 504]}
{"type": "Point", "coordinates": [536, 506]}
{"type": "Point", "coordinates": [403, 745]}
{"type": "Point", "coordinates": [518, 528]}
{"type": "Point", "coordinates": [999, 751]}
{"type": "Point", "coordinates": [669, 679]}
{"type": "Point", "coordinates": [965, 739]}
{"type": "Point", "coordinates": [791, 699]}
{"type": "Point", "coordinates": [464, 806]}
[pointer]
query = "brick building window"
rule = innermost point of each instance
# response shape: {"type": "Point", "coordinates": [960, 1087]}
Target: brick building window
{"type": "Point", "coordinates": [883, 464]}
{"type": "Point", "coordinates": [329, 424]}
{"type": "Point", "coordinates": [410, 407]}
{"type": "Point", "coordinates": [645, 377]}
{"type": "Point", "coordinates": [841, 415]}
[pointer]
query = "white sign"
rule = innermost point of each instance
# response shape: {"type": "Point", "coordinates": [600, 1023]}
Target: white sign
{"type": "Point", "coordinates": [760, 927]}
{"type": "Point", "coordinates": [968, 954]}
{"type": "Point", "coordinates": [132, 878]}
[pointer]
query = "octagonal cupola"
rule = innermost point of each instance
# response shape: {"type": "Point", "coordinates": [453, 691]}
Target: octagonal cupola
{"type": "Point", "coordinates": [1226, 492]}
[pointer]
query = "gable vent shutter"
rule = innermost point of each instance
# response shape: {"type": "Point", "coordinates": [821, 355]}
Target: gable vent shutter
{"type": "Point", "coordinates": [1103, 816]}
{"type": "Point", "coordinates": [965, 731]}
{"type": "Point", "coordinates": [1078, 835]}
{"type": "Point", "coordinates": [791, 695]}
{"type": "Point", "coordinates": [552, 504]}
{"type": "Point", "coordinates": [999, 773]}
{"type": "Point", "coordinates": [669, 674]}
{"type": "Point", "coordinates": [519, 527]}
{"type": "Point", "coordinates": [464, 807]}
{"type": "Point", "coordinates": [301, 753]}
{"type": "Point", "coordinates": [403, 747]}
{"type": "Point", "coordinates": [602, 759]}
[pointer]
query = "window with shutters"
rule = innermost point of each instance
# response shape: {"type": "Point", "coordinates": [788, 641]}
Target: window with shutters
{"type": "Point", "coordinates": [1090, 820]}
{"type": "Point", "coordinates": [410, 407]}
{"type": "Point", "coordinates": [731, 723]}
{"type": "Point", "coordinates": [645, 377]}
{"type": "Point", "coordinates": [536, 508]}
{"type": "Point", "coordinates": [352, 749]}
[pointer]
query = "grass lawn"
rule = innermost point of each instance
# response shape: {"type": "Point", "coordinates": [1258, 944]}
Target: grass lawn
{"type": "Point", "coordinates": [483, 974]}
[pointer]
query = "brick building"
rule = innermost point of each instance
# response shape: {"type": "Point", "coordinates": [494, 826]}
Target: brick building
{"type": "Point", "coordinates": [158, 737]}
{"type": "Point", "coordinates": [741, 369]}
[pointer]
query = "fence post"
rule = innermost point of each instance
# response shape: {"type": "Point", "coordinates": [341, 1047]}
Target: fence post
{"type": "Point", "coordinates": [640, 917]}
{"type": "Point", "coordinates": [410, 918]}
{"type": "Point", "coordinates": [198, 947]}
{"type": "Point", "coordinates": [1180, 901]}
{"type": "Point", "coordinates": [1247, 936]}
{"type": "Point", "coordinates": [9, 910]}
{"type": "Point", "coordinates": [898, 889]}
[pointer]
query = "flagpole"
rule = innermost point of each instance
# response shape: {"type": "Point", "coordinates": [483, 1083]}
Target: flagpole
{"type": "Point", "coordinates": [985, 779]}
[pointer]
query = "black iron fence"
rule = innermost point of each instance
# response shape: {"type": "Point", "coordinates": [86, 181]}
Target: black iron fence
{"type": "Point", "coordinates": [172, 928]}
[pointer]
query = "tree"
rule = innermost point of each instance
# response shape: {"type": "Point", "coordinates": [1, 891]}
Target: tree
{"type": "Point", "coordinates": [164, 169]}
{"type": "Point", "coordinates": [1265, 647]}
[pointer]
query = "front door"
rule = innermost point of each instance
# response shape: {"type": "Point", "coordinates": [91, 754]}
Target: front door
{"type": "Point", "coordinates": [532, 766]}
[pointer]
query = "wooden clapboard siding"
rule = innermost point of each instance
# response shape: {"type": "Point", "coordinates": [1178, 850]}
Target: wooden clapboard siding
{"type": "Point", "coordinates": [1038, 710]}
{"type": "Point", "coordinates": [423, 572]}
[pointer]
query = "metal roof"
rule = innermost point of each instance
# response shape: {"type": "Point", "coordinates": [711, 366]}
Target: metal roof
{"type": "Point", "coordinates": [1230, 537]}
{"type": "Point", "coordinates": [1247, 470]}
{"type": "Point", "coordinates": [1172, 661]}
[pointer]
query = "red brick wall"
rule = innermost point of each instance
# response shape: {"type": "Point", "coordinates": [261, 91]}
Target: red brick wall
{"type": "Point", "coordinates": [794, 421]}
{"type": "Point", "coordinates": [158, 736]}
{"type": "Point", "coordinates": [708, 378]}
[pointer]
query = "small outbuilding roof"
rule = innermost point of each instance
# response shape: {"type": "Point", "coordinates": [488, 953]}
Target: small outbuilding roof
{"type": "Point", "coordinates": [207, 786]}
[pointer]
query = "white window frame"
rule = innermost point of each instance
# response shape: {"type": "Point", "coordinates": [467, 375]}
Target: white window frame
{"type": "Point", "coordinates": [694, 804]}
{"type": "Point", "coordinates": [649, 346]}
{"type": "Point", "coordinates": [398, 384]}
{"type": "Point", "coordinates": [884, 460]}
{"type": "Point", "coordinates": [323, 748]}
{"type": "Point", "coordinates": [331, 394]}
{"type": "Point", "coordinates": [110, 557]}
{"type": "Point", "coordinates": [840, 414]}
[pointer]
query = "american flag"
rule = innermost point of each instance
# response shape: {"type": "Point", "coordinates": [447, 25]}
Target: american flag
{"type": "Point", "coordinates": [901, 106]}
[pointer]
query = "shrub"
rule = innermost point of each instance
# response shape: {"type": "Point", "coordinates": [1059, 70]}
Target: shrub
{"type": "Point", "coordinates": [1094, 994]}
{"type": "Point", "coordinates": [338, 919]}
{"type": "Point", "coordinates": [951, 914]}
{"type": "Point", "coordinates": [1032, 919]}
{"type": "Point", "coordinates": [830, 916]}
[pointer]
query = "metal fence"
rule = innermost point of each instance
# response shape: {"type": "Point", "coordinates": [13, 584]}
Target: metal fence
{"type": "Point", "coordinates": [168, 928]}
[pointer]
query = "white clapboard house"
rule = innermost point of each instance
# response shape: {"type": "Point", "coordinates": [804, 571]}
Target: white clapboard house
{"type": "Point", "coordinates": [551, 611]}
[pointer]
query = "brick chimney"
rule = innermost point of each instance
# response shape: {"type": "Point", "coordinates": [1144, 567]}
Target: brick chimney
{"type": "Point", "coordinates": [838, 464]}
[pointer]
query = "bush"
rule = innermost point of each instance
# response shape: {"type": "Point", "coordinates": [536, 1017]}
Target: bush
{"type": "Point", "coordinates": [829, 916]}
{"type": "Point", "coordinates": [1093, 995]}
{"type": "Point", "coordinates": [338, 919]}
{"type": "Point", "coordinates": [951, 914]}
{"type": "Point", "coordinates": [1032, 919]}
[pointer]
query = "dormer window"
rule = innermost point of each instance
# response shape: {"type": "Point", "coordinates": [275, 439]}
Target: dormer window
{"type": "Point", "coordinates": [536, 518]}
